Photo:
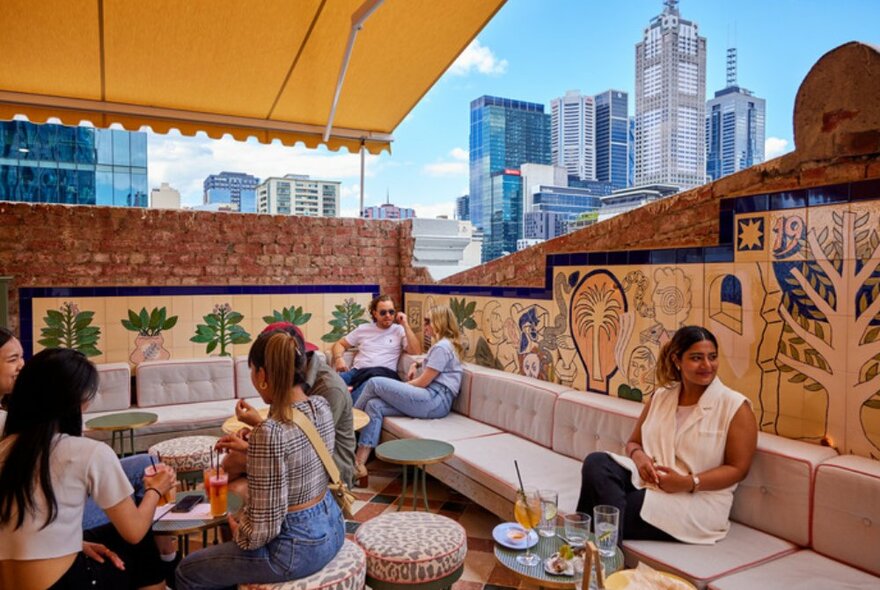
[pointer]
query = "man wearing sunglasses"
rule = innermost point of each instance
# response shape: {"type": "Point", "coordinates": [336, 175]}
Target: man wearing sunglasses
{"type": "Point", "coordinates": [379, 346]}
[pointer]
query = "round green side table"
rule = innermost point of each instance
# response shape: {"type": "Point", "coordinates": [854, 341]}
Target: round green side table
{"type": "Point", "coordinates": [418, 453]}
{"type": "Point", "coordinates": [183, 528]}
{"type": "Point", "coordinates": [119, 424]}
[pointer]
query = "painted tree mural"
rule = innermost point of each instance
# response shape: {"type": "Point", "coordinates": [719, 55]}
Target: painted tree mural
{"type": "Point", "coordinates": [597, 304]}
{"type": "Point", "coordinates": [830, 329]}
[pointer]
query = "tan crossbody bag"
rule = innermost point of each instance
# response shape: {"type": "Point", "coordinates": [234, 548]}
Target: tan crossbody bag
{"type": "Point", "coordinates": [340, 491]}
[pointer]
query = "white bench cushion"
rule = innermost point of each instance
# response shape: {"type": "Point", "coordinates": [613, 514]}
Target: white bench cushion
{"type": "Point", "coordinates": [846, 511]}
{"type": "Point", "coordinates": [489, 461]}
{"type": "Point", "coordinates": [586, 422]}
{"type": "Point", "coordinates": [163, 383]}
{"type": "Point", "coordinates": [775, 497]}
{"type": "Point", "coordinates": [114, 388]}
{"type": "Point", "coordinates": [515, 404]}
{"type": "Point", "coordinates": [451, 428]}
{"type": "Point", "coordinates": [744, 547]}
{"type": "Point", "coordinates": [803, 570]}
{"type": "Point", "coordinates": [244, 388]}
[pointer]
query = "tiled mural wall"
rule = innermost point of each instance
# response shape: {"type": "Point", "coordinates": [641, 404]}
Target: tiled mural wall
{"type": "Point", "coordinates": [792, 293]}
{"type": "Point", "coordinates": [134, 324]}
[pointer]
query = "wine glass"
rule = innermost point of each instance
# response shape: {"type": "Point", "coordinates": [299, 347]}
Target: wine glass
{"type": "Point", "coordinates": [527, 511]}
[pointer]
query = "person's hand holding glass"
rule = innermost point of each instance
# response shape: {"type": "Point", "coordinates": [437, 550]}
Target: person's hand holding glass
{"type": "Point", "coordinates": [528, 514]}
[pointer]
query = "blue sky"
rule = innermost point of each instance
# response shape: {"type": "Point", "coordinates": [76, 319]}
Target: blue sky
{"type": "Point", "coordinates": [535, 50]}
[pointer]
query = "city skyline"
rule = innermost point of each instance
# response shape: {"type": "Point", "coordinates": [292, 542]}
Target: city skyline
{"type": "Point", "coordinates": [428, 167]}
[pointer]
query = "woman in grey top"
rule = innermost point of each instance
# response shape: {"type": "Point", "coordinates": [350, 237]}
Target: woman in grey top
{"type": "Point", "coordinates": [290, 527]}
{"type": "Point", "coordinates": [429, 395]}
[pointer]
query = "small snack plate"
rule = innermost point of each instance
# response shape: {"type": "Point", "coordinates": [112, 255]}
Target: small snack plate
{"type": "Point", "coordinates": [567, 571]}
{"type": "Point", "coordinates": [512, 536]}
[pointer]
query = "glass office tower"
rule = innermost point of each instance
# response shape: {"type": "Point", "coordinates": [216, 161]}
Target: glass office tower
{"type": "Point", "coordinates": [612, 138]}
{"type": "Point", "coordinates": [75, 165]}
{"type": "Point", "coordinates": [504, 134]}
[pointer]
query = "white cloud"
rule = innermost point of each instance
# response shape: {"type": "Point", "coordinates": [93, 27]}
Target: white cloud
{"type": "Point", "coordinates": [458, 153]}
{"type": "Point", "coordinates": [479, 58]}
{"type": "Point", "coordinates": [433, 210]}
{"type": "Point", "coordinates": [456, 167]}
{"type": "Point", "coordinates": [775, 147]}
{"type": "Point", "coordinates": [185, 162]}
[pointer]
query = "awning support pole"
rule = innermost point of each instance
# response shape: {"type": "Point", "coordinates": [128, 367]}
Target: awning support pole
{"type": "Point", "coordinates": [363, 156]}
{"type": "Point", "coordinates": [357, 23]}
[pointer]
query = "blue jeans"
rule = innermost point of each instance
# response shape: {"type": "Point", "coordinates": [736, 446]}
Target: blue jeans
{"type": "Point", "coordinates": [387, 397]}
{"type": "Point", "coordinates": [308, 540]}
{"type": "Point", "coordinates": [347, 376]}
{"type": "Point", "coordinates": [133, 467]}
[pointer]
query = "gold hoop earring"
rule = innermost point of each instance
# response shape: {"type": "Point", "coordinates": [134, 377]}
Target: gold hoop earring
{"type": "Point", "coordinates": [264, 386]}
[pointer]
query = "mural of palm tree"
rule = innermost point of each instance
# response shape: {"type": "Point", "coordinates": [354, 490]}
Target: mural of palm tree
{"type": "Point", "coordinates": [597, 310]}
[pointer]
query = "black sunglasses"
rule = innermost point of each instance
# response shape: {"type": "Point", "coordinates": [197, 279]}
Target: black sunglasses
{"type": "Point", "coordinates": [385, 312]}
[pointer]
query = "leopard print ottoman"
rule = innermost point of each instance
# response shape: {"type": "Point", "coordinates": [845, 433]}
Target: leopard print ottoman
{"type": "Point", "coordinates": [346, 571]}
{"type": "Point", "coordinates": [412, 547]}
{"type": "Point", "coordinates": [188, 453]}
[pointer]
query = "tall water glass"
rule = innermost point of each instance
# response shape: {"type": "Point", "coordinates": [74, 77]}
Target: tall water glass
{"type": "Point", "coordinates": [549, 502]}
{"type": "Point", "coordinates": [577, 528]}
{"type": "Point", "coordinates": [606, 519]}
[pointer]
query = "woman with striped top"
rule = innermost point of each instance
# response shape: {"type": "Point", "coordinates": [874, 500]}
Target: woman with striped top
{"type": "Point", "coordinates": [290, 527]}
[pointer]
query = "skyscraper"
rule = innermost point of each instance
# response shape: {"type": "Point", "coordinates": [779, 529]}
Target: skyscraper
{"type": "Point", "coordinates": [572, 134]}
{"type": "Point", "coordinates": [504, 134]}
{"type": "Point", "coordinates": [462, 208]}
{"type": "Point", "coordinates": [670, 102]}
{"type": "Point", "coordinates": [236, 188]}
{"type": "Point", "coordinates": [51, 163]}
{"type": "Point", "coordinates": [388, 211]}
{"type": "Point", "coordinates": [734, 127]}
{"type": "Point", "coordinates": [612, 138]}
{"type": "Point", "coordinates": [299, 194]}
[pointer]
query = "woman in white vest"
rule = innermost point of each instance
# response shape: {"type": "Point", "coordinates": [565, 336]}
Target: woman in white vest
{"type": "Point", "coordinates": [692, 445]}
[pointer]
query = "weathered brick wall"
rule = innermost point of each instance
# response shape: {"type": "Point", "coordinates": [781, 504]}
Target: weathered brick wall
{"type": "Point", "coordinates": [60, 245]}
{"type": "Point", "coordinates": [687, 219]}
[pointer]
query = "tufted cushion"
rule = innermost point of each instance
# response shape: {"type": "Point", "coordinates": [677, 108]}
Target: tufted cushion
{"type": "Point", "coordinates": [846, 511]}
{"type": "Point", "coordinates": [114, 388]}
{"type": "Point", "coordinates": [244, 388]}
{"type": "Point", "coordinates": [346, 571]}
{"type": "Point", "coordinates": [448, 429]}
{"type": "Point", "coordinates": [412, 547]}
{"type": "Point", "coordinates": [188, 453]}
{"type": "Point", "coordinates": [585, 422]}
{"type": "Point", "coordinates": [162, 383]}
{"type": "Point", "coordinates": [520, 405]}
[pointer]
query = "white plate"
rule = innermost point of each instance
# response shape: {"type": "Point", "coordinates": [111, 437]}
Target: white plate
{"type": "Point", "coordinates": [500, 534]}
{"type": "Point", "coordinates": [569, 567]}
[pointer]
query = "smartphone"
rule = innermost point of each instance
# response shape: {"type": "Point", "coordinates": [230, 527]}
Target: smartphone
{"type": "Point", "coordinates": [188, 503]}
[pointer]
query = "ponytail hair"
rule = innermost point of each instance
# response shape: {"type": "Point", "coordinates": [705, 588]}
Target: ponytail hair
{"type": "Point", "coordinates": [444, 325]}
{"type": "Point", "coordinates": [281, 356]}
{"type": "Point", "coordinates": [667, 371]}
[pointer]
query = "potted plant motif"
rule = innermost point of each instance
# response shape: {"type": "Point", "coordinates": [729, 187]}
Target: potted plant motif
{"type": "Point", "coordinates": [221, 330]}
{"type": "Point", "coordinates": [149, 344]}
{"type": "Point", "coordinates": [346, 318]}
{"type": "Point", "coordinates": [71, 328]}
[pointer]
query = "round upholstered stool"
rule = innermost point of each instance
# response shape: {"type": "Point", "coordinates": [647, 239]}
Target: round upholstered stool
{"type": "Point", "coordinates": [412, 550]}
{"type": "Point", "coordinates": [188, 455]}
{"type": "Point", "coordinates": [346, 571]}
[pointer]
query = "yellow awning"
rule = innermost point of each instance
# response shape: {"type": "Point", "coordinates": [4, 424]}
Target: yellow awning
{"type": "Point", "coordinates": [262, 68]}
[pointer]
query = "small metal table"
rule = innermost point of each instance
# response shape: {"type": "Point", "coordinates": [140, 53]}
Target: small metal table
{"type": "Point", "coordinates": [417, 452]}
{"type": "Point", "coordinates": [118, 424]}
{"type": "Point", "coordinates": [546, 547]}
{"type": "Point", "coordinates": [183, 528]}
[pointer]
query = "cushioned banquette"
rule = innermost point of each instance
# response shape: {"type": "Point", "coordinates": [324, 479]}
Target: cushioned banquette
{"type": "Point", "coordinates": [800, 502]}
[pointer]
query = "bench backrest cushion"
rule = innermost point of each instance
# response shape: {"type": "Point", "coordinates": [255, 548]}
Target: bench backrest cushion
{"type": "Point", "coordinates": [776, 496]}
{"type": "Point", "coordinates": [586, 422]}
{"type": "Point", "coordinates": [243, 386]}
{"type": "Point", "coordinates": [519, 405]}
{"type": "Point", "coordinates": [846, 511]}
{"type": "Point", "coordinates": [161, 383]}
{"type": "Point", "coordinates": [114, 388]}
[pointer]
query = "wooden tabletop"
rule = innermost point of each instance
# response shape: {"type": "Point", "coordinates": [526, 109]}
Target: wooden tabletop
{"type": "Point", "coordinates": [414, 451]}
{"type": "Point", "coordinates": [546, 547]}
{"type": "Point", "coordinates": [122, 421]}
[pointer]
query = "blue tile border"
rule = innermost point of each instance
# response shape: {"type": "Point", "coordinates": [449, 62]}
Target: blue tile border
{"type": "Point", "coordinates": [729, 207]}
{"type": "Point", "coordinates": [26, 296]}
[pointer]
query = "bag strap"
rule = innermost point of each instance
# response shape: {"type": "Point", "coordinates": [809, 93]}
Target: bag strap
{"type": "Point", "coordinates": [311, 432]}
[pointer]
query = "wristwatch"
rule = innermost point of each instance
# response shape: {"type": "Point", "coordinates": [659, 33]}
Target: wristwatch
{"type": "Point", "coordinates": [696, 479]}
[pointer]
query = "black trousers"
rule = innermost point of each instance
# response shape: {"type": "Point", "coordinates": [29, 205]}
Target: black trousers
{"type": "Point", "coordinates": [143, 567]}
{"type": "Point", "coordinates": [603, 481]}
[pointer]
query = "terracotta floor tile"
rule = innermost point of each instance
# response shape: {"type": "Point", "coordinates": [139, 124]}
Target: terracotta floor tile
{"type": "Point", "coordinates": [478, 566]}
{"type": "Point", "coordinates": [501, 576]}
{"type": "Point", "coordinates": [478, 544]}
{"type": "Point", "coordinates": [369, 511]}
{"type": "Point", "coordinates": [478, 522]}
{"type": "Point", "coordinates": [467, 585]}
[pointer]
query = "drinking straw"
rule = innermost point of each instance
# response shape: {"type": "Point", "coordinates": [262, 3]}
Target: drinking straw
{"type": "Point", "coordinates": [153, 463]}
{"type": "Point", "coordinates": [522, 488]}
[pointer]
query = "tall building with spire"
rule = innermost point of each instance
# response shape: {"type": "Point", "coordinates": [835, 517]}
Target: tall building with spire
{"type": "Point", "coordinates": [734, 127]}
{"type": "Point", "coordinates": [670, 133]}
{"type": "Point", "coordinates": [573, 134]}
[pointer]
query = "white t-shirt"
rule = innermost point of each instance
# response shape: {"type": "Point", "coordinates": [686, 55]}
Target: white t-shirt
{"type": "Point", "coordinates": [79, 467]}
{"type": "Point", "coordinates": [377, 347]}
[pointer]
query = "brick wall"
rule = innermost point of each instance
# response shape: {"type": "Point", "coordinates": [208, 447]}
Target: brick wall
{"type": "Point", "coordinates": [60, 245]}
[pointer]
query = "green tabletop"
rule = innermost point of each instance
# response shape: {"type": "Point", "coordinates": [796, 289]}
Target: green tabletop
{"type": "Point", "coordinates": [185, 527]}
{"type": "Point", "coordinates": [414, 451]}
{"type": "Point", "coordinates": [546, 547]}
{"type": "Point", "coordinates": [122, 421]}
